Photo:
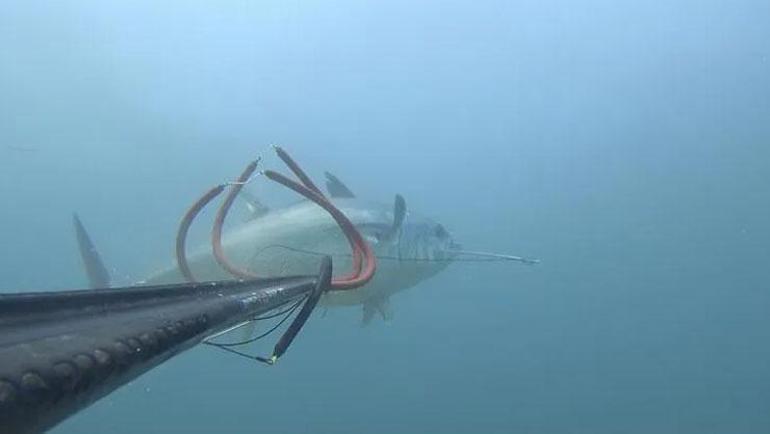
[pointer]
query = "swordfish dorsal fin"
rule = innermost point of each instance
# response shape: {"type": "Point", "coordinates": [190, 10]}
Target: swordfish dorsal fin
{"type": "Point", "coordinates": [337, 188]}
{"type": "Point", "coordinates": [399, 214]}
{"type": "Point", "coordinates": [98, 276]}
{"type": "Point", "coordinates": [256, 208]}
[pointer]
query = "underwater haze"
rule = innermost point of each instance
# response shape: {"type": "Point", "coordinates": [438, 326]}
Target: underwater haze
{"type": "Point", "coordinates": [624, 144]}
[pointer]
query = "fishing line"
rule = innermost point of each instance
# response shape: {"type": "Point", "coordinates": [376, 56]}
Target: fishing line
{"type": "Point", "coordinates": [274, 315]}
{"type": "Point", "coordinates": [264, 360]}
{"type": "Point", "coordinates": [251, 320]}
{"type": "Point", "coordinates": [493, 258]}
{"type": "Point", "coordinates": [288, 312]}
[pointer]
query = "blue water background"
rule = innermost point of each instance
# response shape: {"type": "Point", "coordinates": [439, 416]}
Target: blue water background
{"type": "Point", "coordinates": [626, 144]}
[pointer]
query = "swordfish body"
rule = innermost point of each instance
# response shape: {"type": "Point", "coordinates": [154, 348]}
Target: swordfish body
{"type": "Point", "coordinates": [292, 240]}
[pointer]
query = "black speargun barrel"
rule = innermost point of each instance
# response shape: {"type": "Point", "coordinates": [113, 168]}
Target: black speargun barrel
{"type": "Point", "coordinates": [61, 351]}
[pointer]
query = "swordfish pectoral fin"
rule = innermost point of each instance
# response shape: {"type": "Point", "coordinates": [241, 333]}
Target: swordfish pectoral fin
{"type": "Point", "coordinates": [256, 208]}
{"type": "Point", "coordinates": [376, 305]}
{"type": "Point", "coordinates": [98, 276]}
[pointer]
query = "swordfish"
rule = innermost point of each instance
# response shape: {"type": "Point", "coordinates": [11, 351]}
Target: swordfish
{"type": "Point", "coordinates": [291, 241]}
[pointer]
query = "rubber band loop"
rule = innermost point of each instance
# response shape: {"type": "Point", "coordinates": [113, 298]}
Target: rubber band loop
{"type": "Point", "coordinates": [216, 230]}
{"type": "Point", "coordinates": [184, 227]}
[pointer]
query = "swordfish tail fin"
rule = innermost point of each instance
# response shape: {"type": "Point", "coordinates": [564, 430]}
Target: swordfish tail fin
{"type": "Point", "coordinates": [98, 276]}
